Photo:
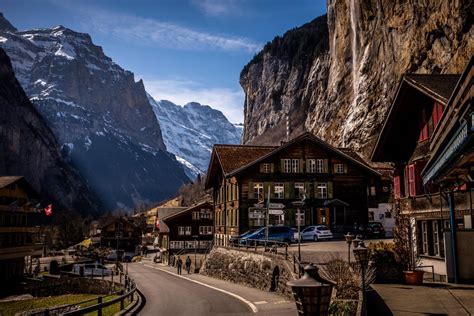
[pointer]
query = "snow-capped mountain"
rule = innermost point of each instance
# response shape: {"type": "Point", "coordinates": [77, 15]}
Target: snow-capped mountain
{"type": "Point", "coordinates": [97, 111]}
{"type": "Point", "coordinates": [191, 130]}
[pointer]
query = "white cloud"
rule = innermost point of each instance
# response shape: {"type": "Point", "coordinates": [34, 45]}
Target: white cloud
{"type": "Point", "coordinates": [217, 7]}
{"type": "Point", "coordinates": [228, 101]}
{"type": "Point", "coordinates": [146, 31]}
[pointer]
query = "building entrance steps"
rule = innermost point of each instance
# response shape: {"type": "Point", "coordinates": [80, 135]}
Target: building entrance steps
{"type": "Point", "coordinates": [432, 299]}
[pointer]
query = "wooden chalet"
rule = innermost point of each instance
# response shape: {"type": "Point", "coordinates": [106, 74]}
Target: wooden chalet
{"type": "Point", "coordinates": [190, 229]}
{"type": "Point", "coordinates": [421, 126]}
{"type": "Point", "coordinates": [338, 186]}
{"type": "Point", "coordinates": [120, 232]}
{"type": "Point", "coordinates": [19, 230]}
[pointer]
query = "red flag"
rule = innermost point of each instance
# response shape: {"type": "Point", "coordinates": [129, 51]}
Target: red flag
{"type": "Point", "coordinates": [157, 223]}
{"type": "Point", "coordinates": [48, 211]}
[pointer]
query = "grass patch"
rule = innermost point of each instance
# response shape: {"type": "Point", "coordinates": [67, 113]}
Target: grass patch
{"type": "Point", "coordinates": [10, 308]}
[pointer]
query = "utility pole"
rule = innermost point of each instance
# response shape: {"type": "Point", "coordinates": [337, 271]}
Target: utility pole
{"type": "Point", "coordinates": [267, 219]}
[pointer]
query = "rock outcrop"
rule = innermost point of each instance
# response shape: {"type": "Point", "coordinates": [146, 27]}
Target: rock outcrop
{"type": "Point", "coordinates": [99, 114]}
{"type": "Point", "coordinates": [345, 77]}
{"type": "Point", "coordinates": [28, 147]}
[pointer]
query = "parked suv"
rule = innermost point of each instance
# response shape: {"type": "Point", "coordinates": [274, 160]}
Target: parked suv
{"type": "Point", "coordinates": [375, 230]}
{"type": "Point", "coordinates": [275, 233]}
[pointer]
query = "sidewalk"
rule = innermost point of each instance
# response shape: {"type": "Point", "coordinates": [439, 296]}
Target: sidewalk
{"type": "Point", "coordinates": [434, 299]}
{"type": "Point", "coordinates": [267, 303]}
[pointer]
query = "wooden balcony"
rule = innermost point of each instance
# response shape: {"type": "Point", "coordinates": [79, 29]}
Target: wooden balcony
{"type": "Point", "coordinates": [433, 204]}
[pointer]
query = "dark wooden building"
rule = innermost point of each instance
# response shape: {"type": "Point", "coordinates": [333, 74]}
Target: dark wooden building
{"type": "Point", "coordinates": [190, 229]}
{"type": "Point", "coordinates": [338, 186]}
{"type": "Point", "coordinates": [411, 139]}
{"type": "Point", "coordinates": [121, 232]}
{"type": "Point", "coordinates": [19, 233]}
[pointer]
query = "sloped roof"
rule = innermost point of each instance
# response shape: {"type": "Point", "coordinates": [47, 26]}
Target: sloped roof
{"type": "Point", "coordinates": [233, 157]}
{"type": "Point", "coordinates": [440, 87]}
{"type": "Point", "coordinates": [188, 209]}
{"type": "Point", "coordinates": [6, 180]}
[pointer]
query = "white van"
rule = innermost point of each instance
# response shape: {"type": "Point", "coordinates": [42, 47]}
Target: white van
{"type": "Point", "coordinates": [91, 269]}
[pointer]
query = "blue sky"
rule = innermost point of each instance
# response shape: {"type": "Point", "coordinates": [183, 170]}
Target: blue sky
{"type": "Point", "coordinates": [184, 50]}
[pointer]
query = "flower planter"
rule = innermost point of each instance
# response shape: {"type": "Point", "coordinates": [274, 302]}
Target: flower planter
{"type": "Point", "coordinates": [414, 277]}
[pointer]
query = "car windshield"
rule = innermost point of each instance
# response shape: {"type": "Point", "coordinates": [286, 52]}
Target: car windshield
{"type": "Point", "coordinates": [323, 228]}
{"type": "Point", "coordinates": [377, 225]}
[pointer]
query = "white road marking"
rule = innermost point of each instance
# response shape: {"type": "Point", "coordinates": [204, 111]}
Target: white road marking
{"type": "Point", "coordinates": [260, 302]}
{"type": "Point", "coordinates": [252, 306]}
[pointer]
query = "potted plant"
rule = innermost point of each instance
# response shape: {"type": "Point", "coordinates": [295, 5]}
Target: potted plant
{"type": "Point", "coordinates": [404, 250]}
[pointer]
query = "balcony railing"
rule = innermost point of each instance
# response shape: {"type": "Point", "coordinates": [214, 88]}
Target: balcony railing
{"type": "Point", "coordinates": [434, 202]}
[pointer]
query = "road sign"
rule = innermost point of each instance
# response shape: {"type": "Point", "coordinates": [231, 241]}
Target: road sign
{"type": "Point", "coordinates": [255, 213]}
{"type": "Point", "coordinates": [275, 212]}
{"type": "Point", "coordinates": [276, 206]}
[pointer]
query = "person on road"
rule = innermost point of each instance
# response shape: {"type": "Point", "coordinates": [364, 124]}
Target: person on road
{"type": "Point", "coordinates": [179, 264]}
{"type": "Point", "coordinates": [188, 264]}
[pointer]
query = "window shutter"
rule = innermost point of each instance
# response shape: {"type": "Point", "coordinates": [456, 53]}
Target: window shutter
{"type": "Point", "coordinates": [261, 167]}
{"type": "Point", "coordinates": [345, 168]}
{"type": "Point", "coordinates": [251, 190]}
{"type": "Point", "coordinates": [291, 190]}
{"type": "Point", "coordinates": [334, 169]}
{"type": "Point", "coordinates": [307, 166]}
{"type": "Point", "coordinates": [287, 190]}
{"type": "Point", "coordinates": [396, 185]}
{"type": "Point", "coordinates": [330, 190]}
{"type": "Point", "coordinates": [300, 167]}
{"type": "Point", "coordinates": [325, 166]}
{"type": "Point", "coordinates": [411, 180]}
{"type": "Point", "coordinates": [272, 167]}
{"type": "Point", "coordinates": [307, 187]}
{"type": "Point", "coordinates": [282, 165]}
{"type": "Point", "coordinates": [266, 185]}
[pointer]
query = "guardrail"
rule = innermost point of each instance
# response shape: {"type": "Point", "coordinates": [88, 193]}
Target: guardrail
{"type": "Point", "coordinates": [271, 246]}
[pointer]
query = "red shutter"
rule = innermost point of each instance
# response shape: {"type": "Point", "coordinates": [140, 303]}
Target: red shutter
{"type": "Point", "coordinates": [411, 180]}
{"type": "Point", "coordinates": [437, 113]}
{"type": "Point", "coordinates": [423, 127]}
{"type": "Point", "coordinates": [396, 184]}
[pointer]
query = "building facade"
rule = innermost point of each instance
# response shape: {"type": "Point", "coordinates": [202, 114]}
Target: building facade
{"type": "Point", "coordinates": [337, 186]}
{"type": "Point", "coordinates": [19, 230]}
{"type": "Point", "coordinates": [407, 140]}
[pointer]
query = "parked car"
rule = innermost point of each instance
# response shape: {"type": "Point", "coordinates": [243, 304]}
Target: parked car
{"type": "Point", "coordinates": [275, 233]}
{"type": "Point", "coordinates": [235, 240]}
{"type": "Point", "coordinates": [375, 230]}
{"type": "Point", "coordinates": [316, 232]}
{"type": "Point", "coordinates": [91, 269]}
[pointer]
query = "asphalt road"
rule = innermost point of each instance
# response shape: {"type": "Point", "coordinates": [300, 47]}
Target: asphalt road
{"type": "Point", "coordinates": [167, 294]}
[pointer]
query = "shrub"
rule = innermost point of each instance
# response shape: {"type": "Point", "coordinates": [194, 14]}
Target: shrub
{"type": "Point", "coordinates": [384, 261]}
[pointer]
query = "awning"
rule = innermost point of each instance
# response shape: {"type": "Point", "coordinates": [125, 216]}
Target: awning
{"type": "Point", "coordinates": [335, 202]}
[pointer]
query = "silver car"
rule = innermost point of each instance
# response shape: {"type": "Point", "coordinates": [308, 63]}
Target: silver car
{"type": "Point", "coordinates": [317, 232]}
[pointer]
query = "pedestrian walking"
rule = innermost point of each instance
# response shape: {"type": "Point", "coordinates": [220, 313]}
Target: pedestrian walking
{"type": "Point", "coordinates": [179, 264]}
{"type": "Point", "coordinates": [188, 264]}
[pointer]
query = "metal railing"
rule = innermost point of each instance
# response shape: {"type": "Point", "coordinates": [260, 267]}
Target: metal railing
{"type": "Point", "coordinates": [271, 246]}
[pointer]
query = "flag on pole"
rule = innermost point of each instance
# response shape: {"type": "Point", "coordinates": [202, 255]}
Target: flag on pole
{"type": "Point", "coordinates": [48, 210]}
{"type": "Point", "coordinates": [157, 223]}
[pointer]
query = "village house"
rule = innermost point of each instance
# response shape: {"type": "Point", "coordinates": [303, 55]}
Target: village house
{"type": "Point", "coordinates": [191, 229]}
{"type": "Point", "coordinates": [19, 230]}
{"type": "Point", "coordinates": [122, 233]}
{"type": "Point", "coordinates": [427, 135]}
{"type": "Point", "coordinates": [337, 186]}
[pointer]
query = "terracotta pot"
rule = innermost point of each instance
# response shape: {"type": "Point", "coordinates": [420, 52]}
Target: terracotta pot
{"type": "Point", "coordinates": [414, 277]}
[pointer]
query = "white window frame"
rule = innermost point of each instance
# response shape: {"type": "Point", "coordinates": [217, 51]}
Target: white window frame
{"type": "Point", "coordinates": [257, 189]}
{"type": "Point", "coordinates": [176, 244]}
{"type": "Point", "coordinates": [205, 230]}
{"type": "Point", "coordinates": [424, 237]}
{"type": "Point", "coordinates": [279, 190]}
{"type": "Point", "coordinates": [266, 168]}
{"type": "Point", "coordinates": [181, 230]}
{"type": "Point", "coordinates": [189, 244]}
{"type": "Point", "coordinates": [436, 248]}
{"type": "Point", "coordinates": [196, 215]}
{"type": "Point", "coordinates": [205, 213]}
{"type": "Point", "coordinates": [300, 187]}
{"type": "Point", "coordinates": [321, 190]}
{"type": "Point", "coordinates": [312, 165]}
{"type": "Point", "coordinates": [319, 165]}
{"type": "Point", "coordinates": [286, 165]}
{"type": "Point", "coordinates": [339, 168]}
{"type": "Point", "coordinates": [188, 230]}
{"type": "Point", "coordinates": [295, 165]}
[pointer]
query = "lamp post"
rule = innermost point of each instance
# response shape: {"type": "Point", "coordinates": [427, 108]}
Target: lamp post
{"type": "Point", "coordinates": [298, 205]}
{"type": "Point", "coordinates": [361, 254]}
{"type": "Point", "coordinates": [195, 252]}
{"type": "Point", "coordinates": [312, 293]}
{"type": "Point", "coordinates": [355, 242]}
{"type": "Point", "coordinates": [349, 238]}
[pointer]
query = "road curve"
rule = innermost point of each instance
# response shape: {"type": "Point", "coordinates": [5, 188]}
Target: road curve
{"type": "Point", "coordinates": [167, 294]}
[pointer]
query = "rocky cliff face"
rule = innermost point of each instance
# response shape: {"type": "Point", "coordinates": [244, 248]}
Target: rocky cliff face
{"type": "Point", "coordinates": [191, 130]}
{"type": "Point", "coordinates": [100, 115]}
{"type": "Point", "coordinates": [344, 87]}
{"type": "Point", "coordinates": [29, 148]}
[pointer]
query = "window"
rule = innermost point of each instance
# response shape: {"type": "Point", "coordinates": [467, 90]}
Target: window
{"type": "Point", "coordinates": [279, 190]}
{"type": "Point", "coordinates": [299, 190]}
{"type": "Point", "coordinates": [338, 168]}
{"type": "Point", "coordinates": [286, 165]}
{"type": "Point", "coordinates": [180, 230]}
{"type": "Point", "coordinates": [176, 244]}
{"type": "Point", "coordinates": [205, 230]}
{"type": "Point", "coordinates": [195, 215]}
{"type": "Point", "coordinates": [266, 168]}
{"type": "Point", "coordinates": [319, 165]}
{"type": "Point", "coordinates": [436, 250]}
{"type": "Point", "coordinates": [311, 165]}
{"type": "Point", "coordinates": [206, 213]}
{"type": "Point", "coordinates": [187, 230]}
{"type": "Point", "coordinates": [424, 237]}
{"type": "Point", "coordinates": [190, 244]}
{"type": "Point", "coordinates": [295, 165]}
{"type": "Point", "coordinates": [373, 191]}
{"type": "Point", "coordinates": [321, 190]}
{"type": "Point", "coordinates": [423, 126]}
{"type": "Point", "coordinates": [258, 189]}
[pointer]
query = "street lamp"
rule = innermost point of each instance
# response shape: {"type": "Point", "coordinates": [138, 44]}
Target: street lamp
{"type": "Point", "coordinates": [355, 242]}
{"type": "Point", "coordinates": [362, 257]}
{"type": "Point", "coordinates": [298, 205]}
{"type": "Point", "coordinates": [349, 238]}
{"type": "Point", "coordinates": [312, 293]}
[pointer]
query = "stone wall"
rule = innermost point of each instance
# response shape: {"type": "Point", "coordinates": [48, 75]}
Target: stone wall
{"type": "Point", "coordinates": [249, 268]}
